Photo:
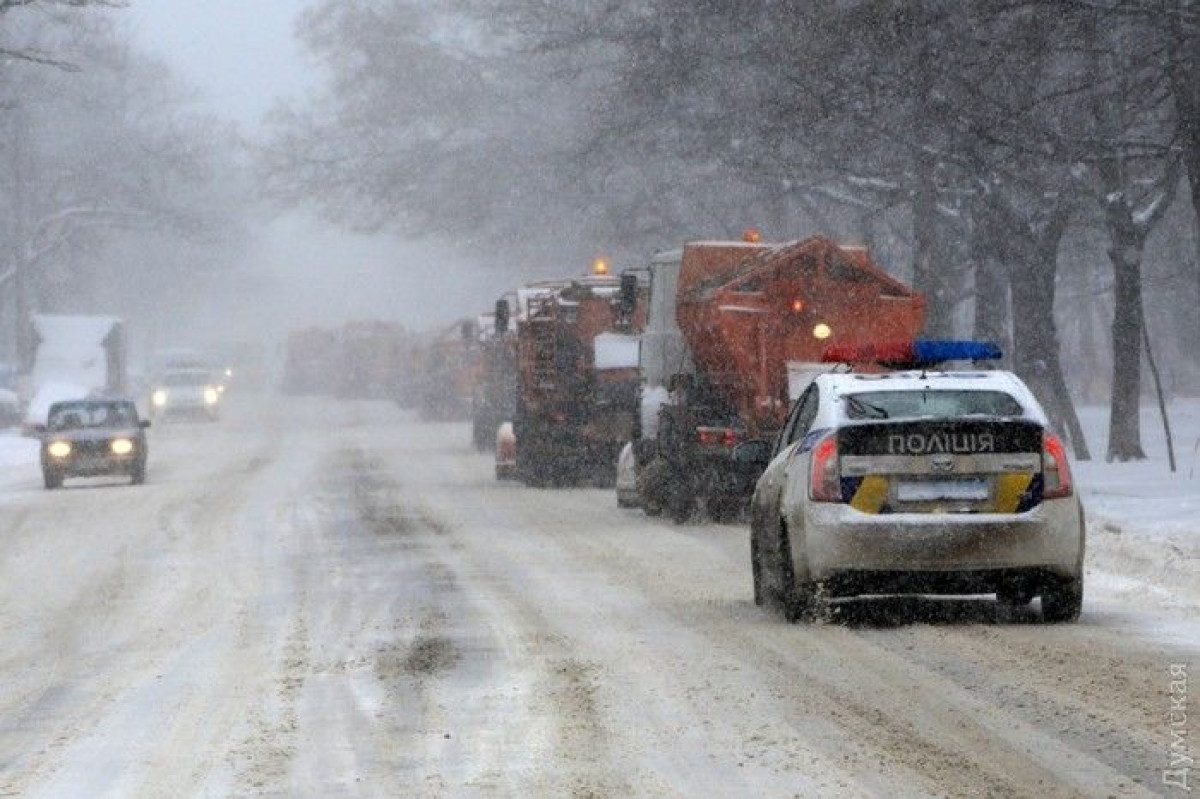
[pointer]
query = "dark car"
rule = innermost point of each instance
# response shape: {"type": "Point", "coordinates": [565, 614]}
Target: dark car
{"type": "Point", "coordinates": [89, 438]}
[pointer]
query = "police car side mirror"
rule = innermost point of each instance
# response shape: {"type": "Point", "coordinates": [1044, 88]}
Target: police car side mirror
{"type": "Point", "coordinates": [752, 453]}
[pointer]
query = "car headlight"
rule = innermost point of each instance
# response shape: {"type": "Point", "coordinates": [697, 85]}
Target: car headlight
{"type": "Point", "coordinates": [159, 398]}
{"type": "Point", "coordinates": [59, 449]}
{"type": "Point", "coordinates": [211, 395]}
{"type": "Point", "coordinates": [121, 446]}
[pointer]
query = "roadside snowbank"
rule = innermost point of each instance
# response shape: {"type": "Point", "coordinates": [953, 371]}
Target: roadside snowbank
{"type": "Point", "coordinates": [1144, 521]}
{"type": "Point", "coordinates": [18, 458]}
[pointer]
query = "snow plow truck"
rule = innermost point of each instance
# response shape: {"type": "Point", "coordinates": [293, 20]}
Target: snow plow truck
{"type": "Point", "coordinates": [736, 330]}
{"type": "Point", "coordinates": [577, 377]}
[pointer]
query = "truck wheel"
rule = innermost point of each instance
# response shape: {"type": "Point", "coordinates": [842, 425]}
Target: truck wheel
{"type": "Point", "coordinates": [483, 438]}
{"type": "Point", "coordinates": [681, 503]}
{"type": "Point", "coordinates": [724, 508]}
{"type": "Point", "coordinates": [1062, 601]}
{"type": "Point", "coordinates": [652, 481]}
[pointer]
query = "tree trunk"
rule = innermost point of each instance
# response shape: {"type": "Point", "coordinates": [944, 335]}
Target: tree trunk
{"type": "Point", "coordinates": [929, 276]}
{"type": "Point", "coordinates": [1124, 426]}
{"type": "Point", "coordinates": [1035, 338]}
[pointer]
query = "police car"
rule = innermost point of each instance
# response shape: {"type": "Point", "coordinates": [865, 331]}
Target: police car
{"type": "Point", "coordinates": [916, 481]}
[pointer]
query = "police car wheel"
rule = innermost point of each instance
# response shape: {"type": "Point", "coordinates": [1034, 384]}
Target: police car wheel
{"type": "Point", "coordinates": [756, 570]}
{"type": "Point", "coordinates": [795, 600]}
{"type": "Point", "coordinates": [52, 480]}
{"type": "Point", "coordinates": [1063, 600]}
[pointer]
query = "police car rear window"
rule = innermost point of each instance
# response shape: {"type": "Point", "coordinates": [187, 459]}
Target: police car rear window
{"type": "Point", "coordinates": [935, 403]}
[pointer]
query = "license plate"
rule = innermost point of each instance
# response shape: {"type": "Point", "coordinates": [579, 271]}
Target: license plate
{"type": "Point", "coordinates": [933, 491]}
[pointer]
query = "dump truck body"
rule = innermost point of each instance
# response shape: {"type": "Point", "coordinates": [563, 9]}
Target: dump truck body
{"type": "Point", "coordinates": [735, 332]}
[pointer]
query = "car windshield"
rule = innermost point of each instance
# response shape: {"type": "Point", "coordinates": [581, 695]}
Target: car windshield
{"type": "Point", "coordinates": [938, 403]}
{"type": "Point", "coordinates": [177, 379]}
{"type": "Point", "coordinates": [79, 415]}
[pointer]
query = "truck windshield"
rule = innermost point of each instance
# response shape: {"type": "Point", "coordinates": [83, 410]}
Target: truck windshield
{"type": "Point", "coordinates": [930, 403]}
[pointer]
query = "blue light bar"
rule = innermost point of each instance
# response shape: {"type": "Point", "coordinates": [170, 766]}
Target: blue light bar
{"type": "Point", "coordinates": [929, 352]}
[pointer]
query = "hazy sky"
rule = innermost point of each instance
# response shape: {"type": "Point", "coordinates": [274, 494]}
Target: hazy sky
{"type": "Point", "coordinates": [240, 53]}
{"type": "Point", "coordinates": [242, 56]}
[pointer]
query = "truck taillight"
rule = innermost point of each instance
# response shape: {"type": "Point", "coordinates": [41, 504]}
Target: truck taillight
{"type": "Point", "coordinates": [1056, 472]}
{"type": "Point", "coordinates": [724, 436]}
{"type": "Point", "coordinates": [825, 482]}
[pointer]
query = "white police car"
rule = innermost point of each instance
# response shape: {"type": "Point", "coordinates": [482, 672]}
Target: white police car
{"type": "Point", "coordinates": [918, 481]}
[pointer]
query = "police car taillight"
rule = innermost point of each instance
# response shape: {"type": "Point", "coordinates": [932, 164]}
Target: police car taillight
{"type": "Point", "coordinates": [825, 482]}
{"type": "Point", "coordinates": [1056, 472]}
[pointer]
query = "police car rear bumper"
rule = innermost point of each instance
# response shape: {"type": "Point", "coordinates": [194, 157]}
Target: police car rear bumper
{"type": "Point", "coordinates": [838, 539]}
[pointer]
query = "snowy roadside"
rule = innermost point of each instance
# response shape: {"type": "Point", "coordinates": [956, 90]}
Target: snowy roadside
{"type": "Point", "coordinates": [1144, 521]}
{"type": "Point", "coordinates": [18, 459]}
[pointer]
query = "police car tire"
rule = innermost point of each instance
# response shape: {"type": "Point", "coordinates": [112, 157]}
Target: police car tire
{"type": "Point", "coordinates": [1063, 601]}
{"type": "Point", "coordinates": [756, 570]}
{"type": "Point", "coordinates": [53, 480]}
{"type": "Point", "coordinates": [795, 601]}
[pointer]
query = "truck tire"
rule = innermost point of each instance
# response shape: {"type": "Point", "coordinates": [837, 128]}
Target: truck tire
{"type": "Point", "coordinates": [652, 481]}
{"type": "Point", "coordinates": [724, 508]}
{"type": "Point", "coordinates": [680, 502]}
{"type": "Point", "coordinates": [1062, 601]}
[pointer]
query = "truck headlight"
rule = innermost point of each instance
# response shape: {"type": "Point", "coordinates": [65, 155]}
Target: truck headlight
{"type": "Point", "coordinates": [211, 396]}
{"type": "Point", "coordinates": [122, 446]}
{"type": "Point", "coordinates": [159, 398]}
{"type": "Point", "coordinates": [59, 449]}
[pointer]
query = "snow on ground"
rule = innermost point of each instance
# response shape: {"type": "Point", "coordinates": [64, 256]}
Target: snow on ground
{"type": "Point", "coordinates": [18, 456]}
{"type": "Point", "coordinates": [1144, 522]}
{"type": "Point", "coordinates": [315, 598]}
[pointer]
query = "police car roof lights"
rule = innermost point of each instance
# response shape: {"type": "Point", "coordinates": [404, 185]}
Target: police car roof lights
{"type": "Point", "coordinates": [917, 354]}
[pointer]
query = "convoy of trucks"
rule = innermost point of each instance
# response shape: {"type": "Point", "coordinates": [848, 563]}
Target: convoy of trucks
{"type": "Point", "coordinates": [677, 363]}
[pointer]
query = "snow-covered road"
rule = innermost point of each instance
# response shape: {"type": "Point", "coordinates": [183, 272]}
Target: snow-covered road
{"type": "Point", "coordinates": [322, 599]}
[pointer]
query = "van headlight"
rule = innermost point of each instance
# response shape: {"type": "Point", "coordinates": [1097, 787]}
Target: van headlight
{"type": "Point", "coordinates": [121, 446]}
{"type": "Point", "coordinates": [59, 449]}
{"type": "Point", "coordinates": [159, 398]}
{"type": "Point", "coordinates": [211, 396]}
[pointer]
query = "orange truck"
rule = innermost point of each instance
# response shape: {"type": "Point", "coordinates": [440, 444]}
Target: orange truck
{"type": "Point", "coordinates": [736, 331]}
{"type": "Point", "coordinates": [577, 377]}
